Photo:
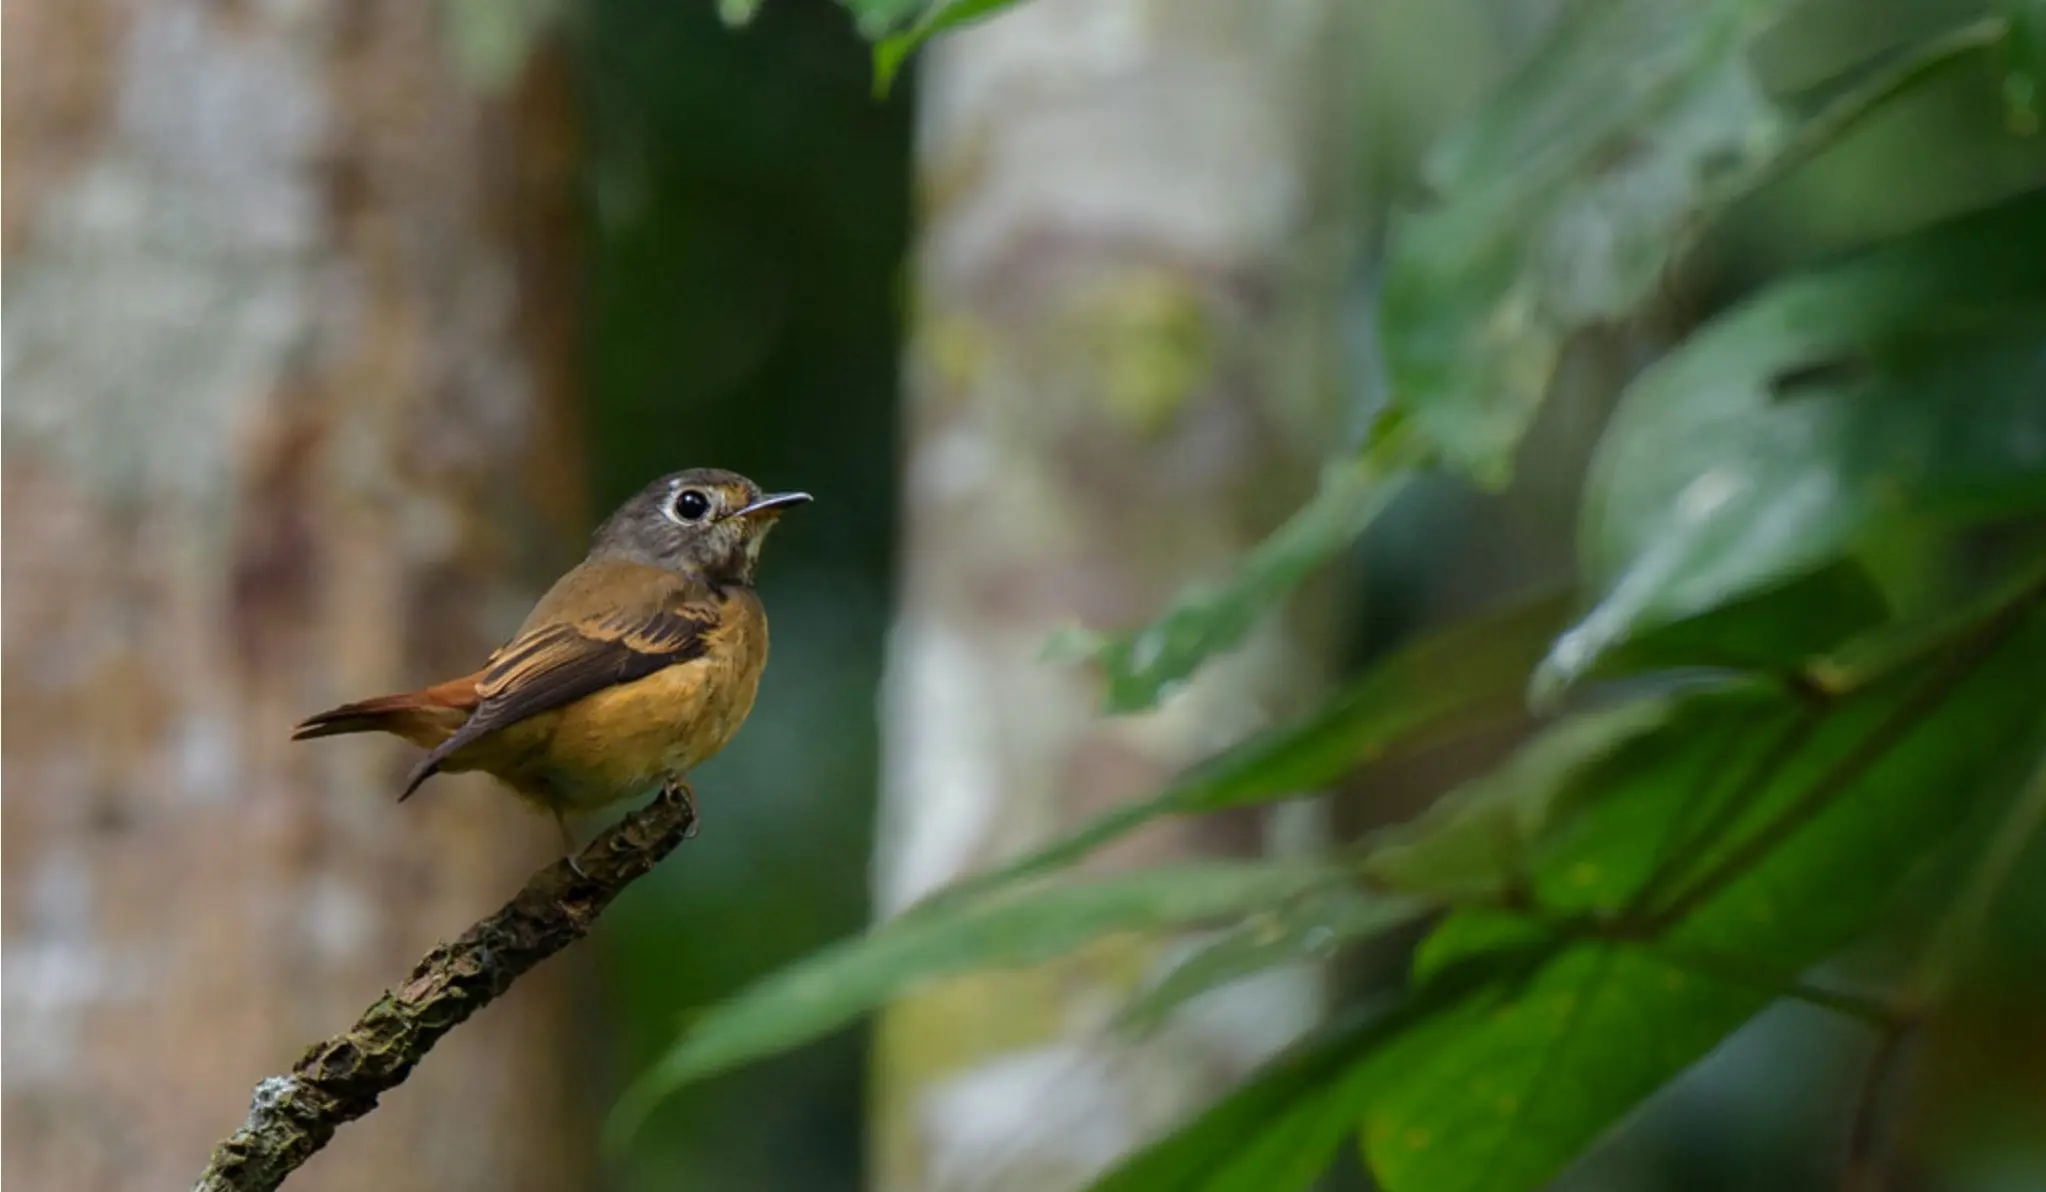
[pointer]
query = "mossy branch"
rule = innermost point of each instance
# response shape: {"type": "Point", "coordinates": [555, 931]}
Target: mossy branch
{"type": "Point", "coordinates": [339, 1079]}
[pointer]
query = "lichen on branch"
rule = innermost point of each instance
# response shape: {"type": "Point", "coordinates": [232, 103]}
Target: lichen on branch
{"type": "Point", "coordinates": [339, 1079]}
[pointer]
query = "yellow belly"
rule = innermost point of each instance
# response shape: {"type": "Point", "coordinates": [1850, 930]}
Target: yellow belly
{"type": "Point", "coordinates": [623, 741]}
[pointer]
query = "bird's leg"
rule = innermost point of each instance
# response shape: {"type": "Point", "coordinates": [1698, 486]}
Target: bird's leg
{"type": "Point", "coordinates": [568, 842]}
{"type": "Point", "coordinates": [679, 788]}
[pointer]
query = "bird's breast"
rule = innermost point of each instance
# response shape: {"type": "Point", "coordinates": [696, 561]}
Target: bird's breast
{"type": "Point", "coordinates": [622, 741]}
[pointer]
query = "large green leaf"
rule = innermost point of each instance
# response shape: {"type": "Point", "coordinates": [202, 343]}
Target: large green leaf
{"type": "Point", "coordinates": [1282, 1128]}
{"type": "Point", "coordinates": [1010, 928]}
{"type": "Point", "coordinates": [1528, 1032]}
{"type": "Point", "coordinates": [1717, 858]}
{"type": "Point", "coordinates": [1778, 630]}
{"type": "Point", "coordinates": [1905, 384]}
{"type": "Point", "coordinates": [1431, 690]}
{"type": "Point", "coordinates": [1560, 203]}
{"type": "Point", "coordinates": [1307, 929]}
{"type": "Point", "coordinates": [1475, 842]}
{"type": "Point", "coordinates": [1871, 656]}
{"type": "Point", "coordinates": [1275, 1134]}
{"type": "Point", "coordinates": [1142, 666]}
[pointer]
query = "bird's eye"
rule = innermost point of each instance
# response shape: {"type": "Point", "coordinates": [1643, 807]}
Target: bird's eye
{"type": "Point", "coordinates": [691, 505]}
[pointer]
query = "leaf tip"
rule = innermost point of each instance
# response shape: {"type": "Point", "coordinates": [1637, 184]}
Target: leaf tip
{"type": "Point", "coordinates": [889, 55]}
{"type": "Point", "coordinates": [1548, 686]}
{"type": "Point", "coordinates": [622, 1124]}
{"type": "Point", "coordinates": [737, 14]}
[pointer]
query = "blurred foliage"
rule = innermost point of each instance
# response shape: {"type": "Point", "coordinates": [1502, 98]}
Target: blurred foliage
{"type": "Point", "coordinates": [1561, 203]}
{"type": "Point", "coordinates": [1436, 688]}
{"type": "Point", "coordinates": [1011, 928]}
{"type": "Point", "coordinates": [1144, 666]}
{"type": "Point", "coordinates": [1905, 384]}
{"type": "Point", "coordinates": [1799, 703]}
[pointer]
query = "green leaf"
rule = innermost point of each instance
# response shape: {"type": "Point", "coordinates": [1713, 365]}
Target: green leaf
{"type": "Point", "coordinates": [1206, 619]}
{"type": "Point", "coordinates": [1904, 383]}
{"type": "Point", "coordinates": [1277, 1133]}
{"type": "Point", "coordinates": [1869, 657]}
{"type": "Point", "coordinates": [1310, 928]}
{"type": "Point", "coordinates": [1281, 1128]}
{"type": "Point", "coordinates": [892, 51]}
{"type": "Point", "coordinates": [1565, 200]}
{"type": "Point", "coordinates": [1778, 630]}
{"type": "Point", "coordinates": [1561, 202]}
{"type": "Point", "coordinates": [1011, 928]}
{"type": "Point", "coordinates": [1432, 690]}
{"type": "Point", "coordinates": [1752, 836]}
{"type": "Point", "coordinates": [1474, 843]}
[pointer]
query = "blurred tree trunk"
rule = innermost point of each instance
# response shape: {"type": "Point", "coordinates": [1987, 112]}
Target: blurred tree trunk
{"type": "Point", "coordinates": [288, 407]}
{"type": "Point", "coordinates": [1124, 371]}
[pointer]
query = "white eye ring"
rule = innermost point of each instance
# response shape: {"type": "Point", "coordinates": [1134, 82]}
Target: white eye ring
{"type": "Point", "coordinates": [701, 506]}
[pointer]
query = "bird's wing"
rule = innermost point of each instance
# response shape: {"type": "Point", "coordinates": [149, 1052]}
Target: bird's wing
{"type": "Point", "coordinates": [557, 663]}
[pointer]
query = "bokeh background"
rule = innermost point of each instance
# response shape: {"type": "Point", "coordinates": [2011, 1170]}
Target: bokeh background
{"type": "Point", "coordinates": [331, 327]}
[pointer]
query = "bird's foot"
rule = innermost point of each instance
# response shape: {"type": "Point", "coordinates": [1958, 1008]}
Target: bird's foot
{"type": "Point", "coordinates": [568, 846]}
{"type": "Point", "coordinates": [679, 788]}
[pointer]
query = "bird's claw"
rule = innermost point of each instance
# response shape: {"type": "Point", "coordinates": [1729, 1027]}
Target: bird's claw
{"type": "Point", "coordinates": [569, 849]}
{"type": "Point", "coordinates": [680, 789]}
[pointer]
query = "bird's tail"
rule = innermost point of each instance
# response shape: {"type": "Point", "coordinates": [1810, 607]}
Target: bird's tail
{"type": "Point", "coordinates": [425, 717]}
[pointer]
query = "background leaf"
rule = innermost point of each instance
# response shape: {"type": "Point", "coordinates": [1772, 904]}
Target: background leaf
{"type": "Point", "coordinates": [1309, 928]}
{"type": "Point", "coordinates": [1281, 1128]}
{"type": "Point", "coordinates": [1474, 843]}
{"type": "Point", "coordinates": [1754, 835]}
{"type": "Point", "coordinates": [1561, 202]}
{"type": "Point", "coordinates": [1905, 383]}
{"type": "Point", "coordinates": [892, 51]}
{"type": "Point", "coordinates": [1774, 631]}
{"type": "Point", "coordinates": [1019, 927]}
{"type": "Point", "coordinates": [1428, 691]}
{"type": "Point", "coordinates": [1141, 667]}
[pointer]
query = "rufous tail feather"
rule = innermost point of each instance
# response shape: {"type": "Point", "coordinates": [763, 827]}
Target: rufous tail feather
{"type": "Point", "coordinates": [425, 717]}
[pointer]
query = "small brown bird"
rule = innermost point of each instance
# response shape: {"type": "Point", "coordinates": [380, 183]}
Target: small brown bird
{"type": "Point", "coordinates": [635, 666]}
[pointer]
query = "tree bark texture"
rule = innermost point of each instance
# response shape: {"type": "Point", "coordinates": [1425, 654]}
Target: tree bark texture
{"type": "Point", "coordinates": [1123, 371]}
{"type": "Point", "coordinates": [288, 421]}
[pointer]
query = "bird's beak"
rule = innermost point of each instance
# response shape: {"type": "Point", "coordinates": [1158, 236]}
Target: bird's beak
{"type": "Point", "coordinates": [774, 503]}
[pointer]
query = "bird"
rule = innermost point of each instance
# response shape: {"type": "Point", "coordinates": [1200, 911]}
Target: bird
{"type": "Point", "coordinates": [641, 662]}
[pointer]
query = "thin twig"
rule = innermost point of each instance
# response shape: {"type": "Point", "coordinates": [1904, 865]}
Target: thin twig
{"type": "Point", "coordinates": [1930, 982]}
{"type": "Point", "coordinates": [1750, 785]}
{"type": "Point", "coordinates": [1867, 1162]}
{"type": "Point", "coordinates": [1875, 1012]}
{"type": "Point", "coordinates": [1959, 933]}
{"type": "Point", "coordinates": [1902, 720]}
{"type": "Point", "coordinates": [340, 1079]}
{"type": "Point", "coordinates": [1879, 82]}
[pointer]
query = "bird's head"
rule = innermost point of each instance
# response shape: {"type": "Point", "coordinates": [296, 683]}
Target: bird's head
{"type": "Point", "coordinates": [705, 520]}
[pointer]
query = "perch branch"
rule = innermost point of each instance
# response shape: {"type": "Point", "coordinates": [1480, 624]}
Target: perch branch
{"type": "Point", "coordinates": [340, 1079]}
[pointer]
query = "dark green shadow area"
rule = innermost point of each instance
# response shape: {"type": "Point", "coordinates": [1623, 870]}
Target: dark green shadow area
{"type": "Point", "coordinates": [745, 219]}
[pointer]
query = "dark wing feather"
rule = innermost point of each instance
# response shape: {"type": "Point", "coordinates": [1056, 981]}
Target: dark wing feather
{"type": "Point", "coordinates": [555, 665]}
